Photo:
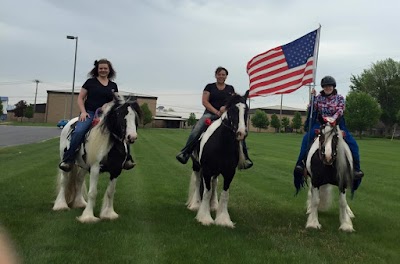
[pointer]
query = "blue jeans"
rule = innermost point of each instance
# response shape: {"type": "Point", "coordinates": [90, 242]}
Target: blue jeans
{"type": "Point", "coordinates": [77, 136]}
{"type": "Point", "coordinates": [198, 129]}
{"type": "Point", "coordinates": [305, 144]}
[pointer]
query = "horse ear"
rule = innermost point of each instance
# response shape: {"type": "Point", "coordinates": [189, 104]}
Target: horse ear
{"type": "Point", "coordinates": [246, 95]}
{"type": "Point", "coordinates": [118, 99]}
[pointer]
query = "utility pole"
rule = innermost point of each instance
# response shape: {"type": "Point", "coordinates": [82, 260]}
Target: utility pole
{"type": "Point", "coordinates": [34, 104]}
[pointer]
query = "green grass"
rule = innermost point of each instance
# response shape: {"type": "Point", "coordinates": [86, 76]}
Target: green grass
{"type": "Point", "coordinates": [155, 227]}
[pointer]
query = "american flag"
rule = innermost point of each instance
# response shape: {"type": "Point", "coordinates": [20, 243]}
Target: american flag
{"type": "Point", "coordinates": [284, 69]}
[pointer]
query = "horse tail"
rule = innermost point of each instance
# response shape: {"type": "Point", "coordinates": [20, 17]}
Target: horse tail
{"type": "Point", "coordinates": [325, 196]}
{"type": "Point", "coordinates": [70, 182]}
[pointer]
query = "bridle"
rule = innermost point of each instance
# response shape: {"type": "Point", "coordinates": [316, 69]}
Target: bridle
{"type": "Point", "coordinates": [323, 136]}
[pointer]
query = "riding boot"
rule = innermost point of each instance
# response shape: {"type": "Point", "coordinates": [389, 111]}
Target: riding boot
{"type": "Point", "coordinates": [247, 163]}
{"type": "Point", "coordinates": [358, 173]}
{"type": "Point", "coordinates": [185, 153]}
{"type": "Point", "coordinates": [129, 162]}
{"type": "Point", "coordinates": [299, 168]}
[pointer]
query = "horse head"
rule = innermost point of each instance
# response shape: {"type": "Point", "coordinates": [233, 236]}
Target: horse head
{"type": "Point", "coordinates": [121, 119]}
{"type": "Point", "coordinates": [328, 140]}
{"type": "Point", "coordinates": [236, 115]}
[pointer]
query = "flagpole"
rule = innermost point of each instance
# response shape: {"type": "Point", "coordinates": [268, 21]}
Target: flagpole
{"type": "Point", "coordinates": [280, 115]}
{"type": "Point", "coordinates": [316, 49]}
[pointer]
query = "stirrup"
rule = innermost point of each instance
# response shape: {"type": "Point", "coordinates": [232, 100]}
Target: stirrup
{"type": "Point", "coordinates": [65, 166]}
{"type": "Point", "coordinates": [183, 157]}
{"type": "Point", "coordinates": [129, 164]}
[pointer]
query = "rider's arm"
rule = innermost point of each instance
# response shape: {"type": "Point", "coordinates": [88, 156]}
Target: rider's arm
{"type": "Point", "coordinates": [206, 102]}
{"type": "Point", "coordinates": [81, 103]}
{"type": "Point", "coordinates": [339, 107]}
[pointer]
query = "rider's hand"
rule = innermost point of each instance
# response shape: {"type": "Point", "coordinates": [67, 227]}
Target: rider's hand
{"type": "Point", "coordinates": [222, 109]}
{"type": "Point", "coordinates": [313, 92]}
{"type": "Point", "coordinates": [83, 116]}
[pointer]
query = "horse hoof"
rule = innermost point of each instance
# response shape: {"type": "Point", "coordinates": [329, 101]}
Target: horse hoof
{"type": "Point", "coordinates": [79, 205]}
{"type": "Point", "coordinates": [63, 207]}
{"type": "Point", "coordinates": [109, 216]}
{"type": "Point", "coordinates": [88, 219]}
{"type": "Point", "coordinates": [193, 207]}
{"type": "Point", "coordinates": [313, 226]}
{"type": "Point", "coordinates": [347, 228]}
{"type": "Point", "coordinates": [227, 223]}
{"type": "Point", "coordinates": [205, 221]}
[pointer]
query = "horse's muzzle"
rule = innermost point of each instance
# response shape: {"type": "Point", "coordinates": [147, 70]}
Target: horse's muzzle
{"type": "Point", "coordinates": [241, 135]}
{"type": "Point", "coordinates": [131, 139]}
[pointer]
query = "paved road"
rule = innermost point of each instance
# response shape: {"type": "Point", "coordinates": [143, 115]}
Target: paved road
{"type": "Point", "coordinates": [18, 135]}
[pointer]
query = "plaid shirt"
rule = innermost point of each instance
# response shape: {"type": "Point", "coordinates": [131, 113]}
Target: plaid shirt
{"type": "Point", "coordinates": [330, 106]}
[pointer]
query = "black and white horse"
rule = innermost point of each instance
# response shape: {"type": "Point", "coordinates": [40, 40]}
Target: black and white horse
{"type": "Point", "coordinates": [219, 152]}
{"type": "Point", "coordinates": [100, 152]}
{"type": "Point", "coordinates": [329, 162]}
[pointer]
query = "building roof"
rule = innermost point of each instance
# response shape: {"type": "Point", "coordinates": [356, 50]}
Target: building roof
{"type": "Point", "coordinates": [123, 93]}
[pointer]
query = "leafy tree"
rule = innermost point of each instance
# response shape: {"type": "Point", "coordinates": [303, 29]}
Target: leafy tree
{"type": "Point", "coordinates": [275, 122]}
{"type": "Point", "coordinates": [382, 82]}
{"type": "Point", "coordinates": [285, 123]}
{"type": "Point", "coordinates": [147, 115]}
{"type": "Point", "coordinates": [260, 120]}
{"type": "Point", "coordinates": [29, 112]}
{"type": "Point", "coordinates": [1, 107]}
{"type": "Point", "coordinates": [362, 111]}
{"type": "Point", "coordinates": [192, 119]}
{"type": "Point", "coordinates": [296, 121]}
{"type": "Point", "coordinates": [20, 109]}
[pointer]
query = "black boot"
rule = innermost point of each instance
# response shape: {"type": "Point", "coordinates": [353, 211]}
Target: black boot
{"type": "Point", "coordinates": [299, 168]}
{"type": "Point", "coordinates": [358, 174]}
{"type": "Point", "coordinates": [183, 157]}
{"type": "Point", "coordinates": [247, 163]}
{"type": "Point", "coordinates": [65, 166]}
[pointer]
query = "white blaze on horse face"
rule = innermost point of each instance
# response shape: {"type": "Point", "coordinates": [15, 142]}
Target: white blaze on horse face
{"type": "Point", "coordinates": [328, 143]}
{"type": "Point", "coordinates": [131, 133]}
{"type": "Point", "coordinates": [242, 131]}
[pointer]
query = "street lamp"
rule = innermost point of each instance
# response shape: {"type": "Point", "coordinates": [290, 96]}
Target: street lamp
{"type": "Point", "coordinates": [73, 79]}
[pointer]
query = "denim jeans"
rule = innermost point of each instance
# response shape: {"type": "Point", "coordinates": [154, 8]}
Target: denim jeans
{"type": "Point", "coordinates": [198, 129]}
{"type": "Point", "coordinates": [77, 136]}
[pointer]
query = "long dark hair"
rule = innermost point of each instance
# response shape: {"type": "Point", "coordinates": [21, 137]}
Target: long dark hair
{"type": "Point", "coordinates": [95, 71]}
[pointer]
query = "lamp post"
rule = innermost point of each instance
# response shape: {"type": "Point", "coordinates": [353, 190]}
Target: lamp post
{"type": "Point", "coordinates": [34, 104]}
{"type": "Point", "coordinates": [73, 79]}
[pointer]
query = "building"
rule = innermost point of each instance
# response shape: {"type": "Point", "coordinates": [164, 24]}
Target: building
{"type": "Point", "coordinates": [165, 119]}
{"type": "Point", "coordinates": [59, 104]}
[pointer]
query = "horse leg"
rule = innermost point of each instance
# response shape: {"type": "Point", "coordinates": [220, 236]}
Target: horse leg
{"type": "Point", "coordinates": [312, 221]}
{"type": "Point", "coordinates": [79, 201]}
{"type": "Point", "coordinates": [345, 215]}
{"type": "Point", "coordinates": [325, 195]}
{"type": "Point", "coordinates": [214, 194]}
{"type": "Point", "coordinates": [194, 199]}
{"type": "Point", "coordinates": [203, 214]}
{"type": "Point", "coordinates": [61, 202]}
{"type": "Point", "coordinates": [222, 217]}
{"type": "Point", "coordinates": [107, 209]}
{"type": "Point", "coordinates": [87, 215]}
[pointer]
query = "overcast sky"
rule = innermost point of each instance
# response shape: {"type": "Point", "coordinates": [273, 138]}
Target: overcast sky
{"type": "Point", "coordinates": [171, 48]}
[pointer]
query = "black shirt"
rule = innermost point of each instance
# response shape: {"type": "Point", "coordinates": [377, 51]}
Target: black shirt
{"type": "Point", "coordinates": [218, 97]}
{"type": "Point", "coordinates": [98, 94]}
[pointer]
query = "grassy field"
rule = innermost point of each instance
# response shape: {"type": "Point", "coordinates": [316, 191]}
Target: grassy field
{"type": "Point", "coordinates": [155, 227]}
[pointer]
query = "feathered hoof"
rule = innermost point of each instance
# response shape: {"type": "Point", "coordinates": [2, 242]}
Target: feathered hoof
{"type": "Point", "coordinates": [60, 207]}
{"type": "Point", "coordinates": [88, 219]}
{"type": "Point", "coordinates": [193, 207]}
{"type": "Point", "coordinates": [80, 204]}
{"type": "Point", "coordinates": [313, 225]}
{"type": "Point", "coordinates": [350, 212]}
{"type": "Point", "coordinates": [205, 220]}
{"type": "Point", "coordinates": [347, 228]}
{"type": "Point", "coordinates": [225, 223]}
{"type": "Point", "coordinates": [109, 215]}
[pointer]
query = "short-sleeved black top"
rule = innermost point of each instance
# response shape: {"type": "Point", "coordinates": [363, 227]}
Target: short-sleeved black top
{"type": "Point", "coordinates": [218, 97]}
{"type": "Point", "coordinates": [98, 94]}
